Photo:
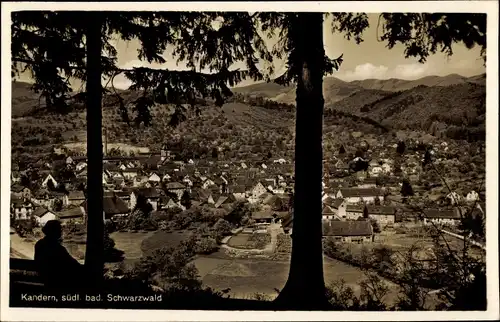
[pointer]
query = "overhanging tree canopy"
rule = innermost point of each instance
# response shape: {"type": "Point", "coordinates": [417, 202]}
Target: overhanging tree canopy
{"type": "Point", "coordinates": [52, 45]}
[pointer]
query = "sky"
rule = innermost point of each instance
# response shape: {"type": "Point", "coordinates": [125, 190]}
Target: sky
{"type": "Point", "coordinates": [370, 59]}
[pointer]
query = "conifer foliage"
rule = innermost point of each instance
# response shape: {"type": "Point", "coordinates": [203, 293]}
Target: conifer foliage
{"type": "Point", "coordinates": [57, 46]}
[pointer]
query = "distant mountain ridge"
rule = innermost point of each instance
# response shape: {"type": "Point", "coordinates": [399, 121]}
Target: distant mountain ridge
{"type": "Point", "coordinates": [451, 106]}
{"type": "Point", "coordinates": [335, 89]}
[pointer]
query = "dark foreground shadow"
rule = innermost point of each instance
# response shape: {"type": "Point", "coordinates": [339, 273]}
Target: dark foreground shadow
{"type": "Point", "coordinates": [28, 290]}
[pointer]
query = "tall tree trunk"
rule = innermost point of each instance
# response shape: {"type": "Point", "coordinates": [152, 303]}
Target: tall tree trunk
{"type": "Point", "coordinates": [94, 259]}
{"type": "Point", "coordinates": [305, 288]}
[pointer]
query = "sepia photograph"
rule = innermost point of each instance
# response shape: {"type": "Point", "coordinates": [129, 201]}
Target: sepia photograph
{"type": "Point", "coordinates": [223, 159]}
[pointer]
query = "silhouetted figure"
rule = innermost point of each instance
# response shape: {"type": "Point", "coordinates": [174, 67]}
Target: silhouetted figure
{"type": "Point", "coordinates": [58, 269]}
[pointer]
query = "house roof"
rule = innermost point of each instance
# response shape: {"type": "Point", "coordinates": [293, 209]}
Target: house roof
{"type": "Point", "coordinates": [40, 211]}
{"type": "Point", "coordinates": [347, 228]}
{"type": "Point", "coordinates": [355, 208]}
{"type": "Point", "coordinates": [337, 203]}
{"type": "Point", "coordinates": [361, 192]}
{"type": "Point", "coordinates": [110, 167]}
{"type": "Point", "coordinates": [112, 205]}
{"type": "Point", "coordinates": [130, 170]}
{"type": "Point", "coordinates": [174, 185]}
{"type": "Point", "coordinates": [381, 210]}
{"type": "Point", "coordinates": [327, 210]}
{"type": "Point", "coordinates": [263, 214]}
{"type": "Point", "coordinates": [201, 194]}
{"type": "Point", "coordinates": [221, 200]}
{"type": "Point", "coordinates": [148, 192]}
{"type": "Point", "coordinates": [370, 180]}
{"type": "Point", "coordinates": [441, 214]}
{"type": "Point", "coordinates": [17, 188]}
{"type": "Point", "coordinates": [287, 221]}
{"type": "Point", "coordinates": [76, 195]}
{"type": "Point", "coordinates": [238, 189]}
{"type": "Point", "coordinates": [74, 212]}
{"type": "Point", "coordinates": [56, 194]}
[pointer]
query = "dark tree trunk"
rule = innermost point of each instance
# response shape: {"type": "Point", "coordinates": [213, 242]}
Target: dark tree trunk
{"type": "Point", "coordinates": [95, 224]}
{"type": "Point", "coordinates": [305, 288]}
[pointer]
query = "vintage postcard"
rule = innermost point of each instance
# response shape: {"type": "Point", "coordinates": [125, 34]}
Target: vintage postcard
{"type": "Point", "coordinates": [250, 161]}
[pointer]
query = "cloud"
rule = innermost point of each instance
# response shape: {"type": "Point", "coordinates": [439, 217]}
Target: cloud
{"type": "Point", "coordinates": [368, 70]}
{"type": "Point", "coordinates": [365, 71]}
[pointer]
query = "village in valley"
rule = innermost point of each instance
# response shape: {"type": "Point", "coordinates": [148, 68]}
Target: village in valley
{"type": "Point", "coordinates": [378, 191]}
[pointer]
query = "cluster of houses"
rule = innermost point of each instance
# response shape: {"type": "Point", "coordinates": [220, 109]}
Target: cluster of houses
{"type": "Point", "coordinates": [164, 183]}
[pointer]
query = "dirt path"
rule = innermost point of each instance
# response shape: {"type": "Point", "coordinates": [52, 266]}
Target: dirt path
{"type": "Point", "coordinates": [21, 248]}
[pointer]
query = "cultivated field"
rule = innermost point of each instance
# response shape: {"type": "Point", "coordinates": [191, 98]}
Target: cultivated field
{"type": "Point", "coordinates": [245, 277]}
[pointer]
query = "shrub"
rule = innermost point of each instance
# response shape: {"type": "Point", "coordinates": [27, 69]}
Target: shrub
{"type": "Point", "coordinates": [206, 245]}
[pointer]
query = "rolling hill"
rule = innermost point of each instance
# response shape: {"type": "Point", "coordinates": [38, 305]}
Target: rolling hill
{"type": "Point", "coordinates": [335, 89]}
{"type": "Point", "coordinates": [453, 105]}
{"type": "Point", "coordinates": [433, 104]}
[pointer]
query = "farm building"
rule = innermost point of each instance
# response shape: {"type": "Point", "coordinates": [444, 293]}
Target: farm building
{"type": "Point", "coordinates": [383, 214]}
{"type": "Point", "coordinates": [441, 217]}
{"type": "Point", "coordinates": [42, 215]}
{"type": "Point", "coordinates": [21, 209]}
{"type": "Point", "coordinates": [349, 231]}
{"type": "Point", "coordinates": [339, 208]}
{"type": "Point", "coordinates": [75, 198]}
{"type": "Point", "coordinates": [74, 214]}
{"type": "Point", "coordinates": [176, 188]}
{"type": "Point", "coordinates": [151, 195]}
{"type": "Point", "coordinates": [269, 216]}
{"type": "Point", "coordinates": [358, 195]}
{"type": "Point", "coordinates": [353, 212]}
{"type": "Point", "coordinates": [113, 207]}
{"type": "Point", "coordinates": [20, 191]}
{"type": "Point", "coordinates": [368, 183]}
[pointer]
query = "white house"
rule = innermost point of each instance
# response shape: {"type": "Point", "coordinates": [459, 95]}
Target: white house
{"type": "Point", "coordinates": [359, 195]}
{"type": "Point", "coordinates": [43, 215]}
{"type": "Point", "coordinates": [238, 192]}
{"type": "Point", "coordinates": [176, 188]}
{"type": "Point", "coordinates": [329, 213]}
{"type": "Point", "coordinates": [150, 194]}
{"type": "Point", "coordinates": [441, 217]}
{"type": "Point", "coordinates": [383, 214]}
{"type": "Point", "coordinates": [339, 208]}
{"type": "Point", "coordinates": [353, 212]}
{"type": "Point", "coordinates": [154, 178]}
{"type": "Point", "coordinates": [207, 184]}
{"type": "Point", "coordinates": [80, 166]}
{"type": "Point", "coordinates": [386, 168]}
{"type": "Point", "coordinates": [21, 209]}
{"type": "Point", "coordinates": [472, 196]}
{"type": "Point", "coordinates": [141, 181]}
{"type": "Point", "coordinates": [454, 198]}
{"type": "Point", "coordinates": [48, 178]}
{"type": "Point", "coordinates": [187, 181]}
{"type": "Point", "coordinates": [130, 173]}
{"type": "Point", "coordinates": [258, 190]}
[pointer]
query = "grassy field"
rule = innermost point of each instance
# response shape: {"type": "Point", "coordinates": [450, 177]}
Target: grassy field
{"type": "Point", "coordinates": [250, 241]}
{"type": "Point", "coordinates": [162, 238]}
{"type": "Point", "coordinates": [130, 243]}
{"type": "Point", "coordinates": [239, 241]}
{"type": "Point", "coordinates": [245, 277]}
